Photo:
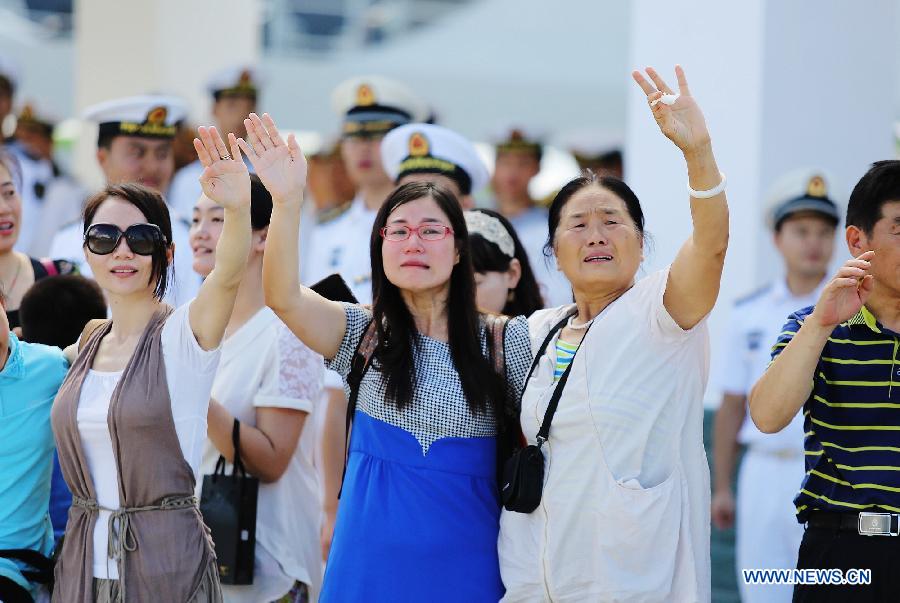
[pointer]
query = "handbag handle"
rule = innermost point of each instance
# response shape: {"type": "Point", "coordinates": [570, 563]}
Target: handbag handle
{"type": "Point", "coordinates": [236, 442]}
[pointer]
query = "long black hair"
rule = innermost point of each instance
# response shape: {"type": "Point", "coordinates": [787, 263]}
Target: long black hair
{"type": "Point", "coordinates": [487, 257]}
{"type": "Point", "coordinates": [396, 329]}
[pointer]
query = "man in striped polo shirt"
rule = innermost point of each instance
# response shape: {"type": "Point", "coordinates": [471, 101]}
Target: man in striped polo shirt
{"type": "Point", "coordinates": [839, 361]}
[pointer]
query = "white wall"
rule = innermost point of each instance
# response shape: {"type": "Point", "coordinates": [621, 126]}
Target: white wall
{"type": "Point", "coordinates": [783, 84]}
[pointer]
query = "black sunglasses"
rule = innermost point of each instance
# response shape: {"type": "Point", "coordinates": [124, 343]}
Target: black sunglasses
{"type": "Point", "coordinates": [142, 239]}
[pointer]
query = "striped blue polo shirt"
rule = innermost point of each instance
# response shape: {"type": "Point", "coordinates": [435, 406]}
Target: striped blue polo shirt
{"type": "Point", "coordinates": [851, 419]}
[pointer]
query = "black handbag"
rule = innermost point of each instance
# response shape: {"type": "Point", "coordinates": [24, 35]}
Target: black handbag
{"type": "Point", "coordinates": [523, 473]}
{"type": "Point", "coordinates": [228, 505]}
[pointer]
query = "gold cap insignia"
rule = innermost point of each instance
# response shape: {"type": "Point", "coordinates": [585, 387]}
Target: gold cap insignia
{"type": "Point", "coordinates": [245, 81]}
{"type": "Point", "coordinates": [157, 116]}
{"type": "Point", "coordinates": [816, 187]}
{"type": "Point", "coordinates": [418, 145]}
{"type": "Point", "coordinates": [364, 96]}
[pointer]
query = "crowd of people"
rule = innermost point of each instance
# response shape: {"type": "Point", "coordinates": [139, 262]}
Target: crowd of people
{"type": "Point", "coordinates": [441, 402]}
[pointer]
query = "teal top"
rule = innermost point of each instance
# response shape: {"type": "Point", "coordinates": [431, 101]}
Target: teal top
{"type": "Point", "coordinates": [28, 384]}
{"type": "Point", "coordinates": [564, 354]}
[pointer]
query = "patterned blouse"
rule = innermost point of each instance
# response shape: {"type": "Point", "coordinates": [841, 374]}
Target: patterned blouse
{"type": "Point", "coordinates": [438, 408]}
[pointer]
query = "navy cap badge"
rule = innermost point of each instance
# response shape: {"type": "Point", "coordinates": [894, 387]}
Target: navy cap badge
{"type": "Point", "coordinates": [816, 187]}
{"type": "Point", "coordinates": [157, 116]}
{"type": "Point", "coordinates": [364, 96]}
{"type": "Point", "coordinates": [418, 145]}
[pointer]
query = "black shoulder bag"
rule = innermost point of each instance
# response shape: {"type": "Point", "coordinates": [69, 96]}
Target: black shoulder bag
{"type": "Point", "coordinates": [228, 505]}
{"type": "Point", "coordinates": [523, 474]}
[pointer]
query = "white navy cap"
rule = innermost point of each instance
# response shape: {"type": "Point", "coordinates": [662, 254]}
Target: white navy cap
{"type": "Point", "coordinates": [373, 105]}
{"type": "Point", "coordinates": [241, 80]}
{"type": "Point", "coordinates": [10, 70]}
{"type": "Point", "coordinates": [149, 116]}
{"type": "Point", "coordinates": [427, 148]}
{"type": "Point", "coordinates": [804, 190]}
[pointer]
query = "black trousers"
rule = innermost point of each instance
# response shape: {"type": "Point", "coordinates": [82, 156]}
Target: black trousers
{"type": "Point", "coordinates": [825, 548]}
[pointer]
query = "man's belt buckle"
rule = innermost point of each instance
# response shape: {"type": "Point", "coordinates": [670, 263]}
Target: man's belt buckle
{"type": "Point", "coordinates": [876, 524]}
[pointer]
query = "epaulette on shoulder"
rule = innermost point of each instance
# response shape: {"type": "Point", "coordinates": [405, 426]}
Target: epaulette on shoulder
{"type": "Point", "coordinates": [332, 213]}
{"type": "Point", "coordinates": [754, 295]}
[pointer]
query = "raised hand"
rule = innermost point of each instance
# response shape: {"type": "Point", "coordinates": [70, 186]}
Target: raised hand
{"type": "Point", "coordinates": [225, 179]}
{"type": "Point", "coordinates": [280, 165]}
{"type": "Point", "coordinates": [681, 121]}
{"type": "Point", "coordinates": [843, 297]}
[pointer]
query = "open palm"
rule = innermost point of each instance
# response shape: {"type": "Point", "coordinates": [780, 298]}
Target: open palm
{"type": "Point", "coordinates": [225, 179]}
{"type": "Point", "coordinates": [682, 122]}
{"type": "Point", "coordinates": [280, 165]}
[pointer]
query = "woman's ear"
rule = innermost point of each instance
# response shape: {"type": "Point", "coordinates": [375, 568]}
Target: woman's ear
{"type": "Point", "coordinates": [513, 273]}
{"type": "Point", "coordinates": [170, 254]}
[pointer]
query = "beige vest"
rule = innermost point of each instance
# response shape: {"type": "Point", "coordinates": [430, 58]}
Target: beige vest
{"type": "Point", "coordinates": [157, 536]}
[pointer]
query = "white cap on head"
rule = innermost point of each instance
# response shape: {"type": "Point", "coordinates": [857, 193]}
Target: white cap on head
{"type": "Point", "coordinates": [427, 148]}
{"type": "Point", "coordinates": [150, 116]}
{"type": "Point", "coordinates": [373, 105]}
{"type": "Point", "coordinates": [802, 190]}
{"type": "Point", "coordinates": [239, 80]}
{"type": "Point", "coordinates": [10, 70]}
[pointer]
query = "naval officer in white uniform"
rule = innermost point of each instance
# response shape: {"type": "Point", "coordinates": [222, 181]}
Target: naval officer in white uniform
{"type": "Point", "coordinates": [134, 144]}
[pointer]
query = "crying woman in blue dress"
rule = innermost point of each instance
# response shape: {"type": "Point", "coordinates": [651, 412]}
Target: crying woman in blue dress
{"type": "Point", "coordinates": [418, 519]}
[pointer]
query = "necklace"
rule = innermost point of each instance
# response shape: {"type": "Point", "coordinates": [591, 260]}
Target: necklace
{"type": "Point", "coordinates": [580, 327]}
{"type": "Point", "coordinates": [8, 290]}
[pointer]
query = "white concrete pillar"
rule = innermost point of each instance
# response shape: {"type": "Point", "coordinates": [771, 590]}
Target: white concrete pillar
{"type": "Point", "coordinates": [169, 46]}
{"type": "Point", "coordinates": [784, 84]}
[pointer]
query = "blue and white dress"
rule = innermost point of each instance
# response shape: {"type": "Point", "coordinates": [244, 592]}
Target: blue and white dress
{"type": "Point", "coordinates": [419, 512]}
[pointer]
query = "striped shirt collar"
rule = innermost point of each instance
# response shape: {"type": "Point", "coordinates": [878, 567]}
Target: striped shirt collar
{"type": "Point", "coordinates": [865, 317]}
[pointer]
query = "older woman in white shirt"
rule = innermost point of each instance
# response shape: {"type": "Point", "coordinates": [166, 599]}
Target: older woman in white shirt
{"type": "Point", "coordinates": [270, 382]}
{"type": "Point", "coordinates": [624, 513]}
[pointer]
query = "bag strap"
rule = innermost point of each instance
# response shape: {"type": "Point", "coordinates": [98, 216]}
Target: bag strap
{"type": "Point", "coordinates": [540, 351]}
{"type": "Point", "coordinates": [362, 358]}
{"type": "Point", "coordinates": [238, 464]}
{"type": "Point", "coordinates": [543, 433]}
{"type": "Point", "coordinates": [496, 328]}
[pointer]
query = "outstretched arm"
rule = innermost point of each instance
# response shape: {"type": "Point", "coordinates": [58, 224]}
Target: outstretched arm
{"type": "Point", "coordinates": [225, 181]}
{"type": "Point", "coordinates": [695, 275]}
{"type": "Point", "coordinates": [316, 321]}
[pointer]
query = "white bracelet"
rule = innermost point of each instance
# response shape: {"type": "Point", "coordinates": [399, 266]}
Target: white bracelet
{"type": "Point", "coordinates": [717, 189]}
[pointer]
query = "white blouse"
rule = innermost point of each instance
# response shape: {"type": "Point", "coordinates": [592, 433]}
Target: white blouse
{"type": "Point", "coordinates": [624, 514]}
{"type": "Point", "coordinates": [189, 371]}
{"type": "Point", "coordinates": [265, 366]}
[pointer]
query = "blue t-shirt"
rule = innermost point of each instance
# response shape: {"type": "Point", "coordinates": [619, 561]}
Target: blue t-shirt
{"type": "Point", "coordinates": [28, 384]}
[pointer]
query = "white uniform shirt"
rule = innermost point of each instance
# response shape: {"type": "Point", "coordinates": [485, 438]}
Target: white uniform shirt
{"type": "Point", "coordinates": [624, 514]}
{"type": "Point", "coordinates": [752, 330]}
{"type": "Point", "coordinates": [189, 372]}
{"type": "Point", "coordinates": [68, 244]}
{"type": "Point", "coordinates": [531, 226]}
{"type": "Point", "coordinates": [264, 365]}
{"type": "Point", "coordinates": [342, 246]}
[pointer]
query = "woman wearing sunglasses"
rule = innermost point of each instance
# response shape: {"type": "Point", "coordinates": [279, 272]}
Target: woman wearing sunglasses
{"type": "Point", "coordinates": [130, 418]}
{"type": "Point", "coordinates": [418, 519]}
{"type": "Point", "coordinates": [18, 272]}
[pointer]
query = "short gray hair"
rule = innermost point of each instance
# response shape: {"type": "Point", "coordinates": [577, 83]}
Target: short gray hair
{"type": "Point", "coordinates": [12, 165]}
